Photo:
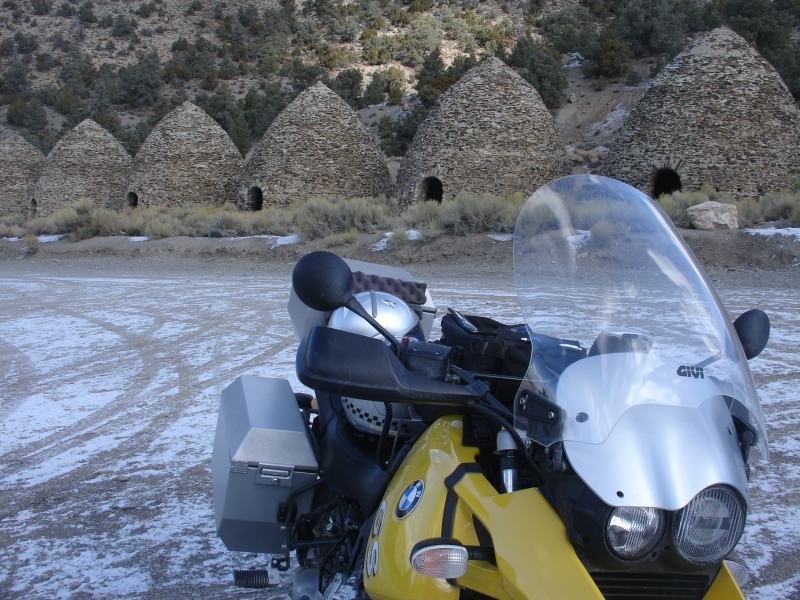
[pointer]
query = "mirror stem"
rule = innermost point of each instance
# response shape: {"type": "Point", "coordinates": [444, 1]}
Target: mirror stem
{"type": "Point", "coordinates": [356, 307]}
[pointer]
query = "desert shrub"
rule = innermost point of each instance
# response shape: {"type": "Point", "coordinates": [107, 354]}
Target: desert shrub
{"type": "Point", "coordinates": [86, 12]}
{"type": "Point", "coordinates": [540, 65]}
{"type": "Point", "coordinates": [334, 57]}
{"type": "Point", "coordinates": [348, 85]}
{"type": "Point", "coordinates": [123, 26]}
{"type": "Point", "coordinates": [27, 113]}
{"type": "Point", "coordinates": [424, 215]}
{"type": "Point", "coordinates": [375, 93]}
{"type": "Point", "coordinates": [65, 10]}
{"type": "Point", "coordinates": [195, 6]}
{"type": "Point", "coordinates": [81, 220]}
{"type": "Point", "coordinates": [41, 7]}
{"type": "Point", "coordinates": [340, 239]}
{"type": "Point", "coordinates": [319, 217]}
{"type": "Point", "coordinates": [399, 237]}
{"type": "Point", "coordinates": [140, 83]}
{"type": "Point", "coordinates": [474, 213]}
{"type": "Point", "coordinates": [396, 136]}
{"type": "Point", "coordinates": [26, 42]}
{"type": "Point", "coordinates": [422, 37]}
{"type": "Point", "coordinates": [676, 205]}
{"type": "Point", "coordinates": [145, 9]}
{"type": "Point", "coordinates": [779, 206]}
{"type": "Point", "coordinates": [609, 56]}
{"type": "Point", "coordinates": [378, 50]}
{"type": "Point", "coordinates": [31, 244]}
{"type": "Point", "coordinates": [571, 30]}
{"type": "Point", "coordinates": [749, 212]}
{"type": "Point", "coordinates": [12, 225]}
{"type": "Point", "coordinates": [44, 62]}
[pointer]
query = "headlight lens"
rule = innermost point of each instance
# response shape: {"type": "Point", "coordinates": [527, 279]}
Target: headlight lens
{"type": "Point", "coordinates": [633, 531]}
{"type": "Point", "coordinates": [709, 527]}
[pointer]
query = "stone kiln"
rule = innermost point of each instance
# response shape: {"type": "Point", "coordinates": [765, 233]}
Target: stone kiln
{"type": "Point", "coordinates": [187, 158]}
{"type": "Point", "coordinates": [718, 114]}
{"type": "Point", "coordinates": [20, 166]}
{"type": "Point", "coordinates": [488, 134]}
{"type": "Point", "coordinates": [87, 163]}
{"type": "Point", "coordinates": [316, 147]}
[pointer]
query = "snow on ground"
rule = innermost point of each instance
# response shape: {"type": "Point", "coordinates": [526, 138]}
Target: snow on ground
{"type": "Point", "coordinates": [383, 243]}
{"type": "Point", "coordinates": [773, 231]}
{"type": "Point", "coordinates": [108, 408]}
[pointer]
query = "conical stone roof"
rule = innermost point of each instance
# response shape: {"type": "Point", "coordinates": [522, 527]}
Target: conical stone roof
{"type": "Point", "coordinates": [315, 147]}
{"type": "Point", "coordinates": [87, 163]}
{"type": "Point", "coordinates": [187, 158]}
{"type": "Point", "coordinates": [20, 165]}
{"type": "Point", "coordinates": [718, 114]}
{"type": "Point", "coordinates": [490, 133]}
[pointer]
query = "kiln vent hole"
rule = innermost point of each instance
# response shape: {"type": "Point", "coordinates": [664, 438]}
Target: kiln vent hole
{"type": "Point", "coordinates": [665, 181]}
{"type": "Point", "coordinates": [432, 189]}
{"type": "Point", "coordinates": [255, 199]}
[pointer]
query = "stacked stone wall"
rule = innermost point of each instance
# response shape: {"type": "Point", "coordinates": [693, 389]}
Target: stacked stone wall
{"type": "Point", "coordinates": [488, 134]}
{"type": "Point", "coordinates": [20, 165]}
{"type": "Point", "coordinates": [719, 114]}
{"type": "Point", "coordinates": [87, 163]}
{"type": "Point", "coordinates": [316, 147]}
{"type": "Point", "coordinates": [187, 158]}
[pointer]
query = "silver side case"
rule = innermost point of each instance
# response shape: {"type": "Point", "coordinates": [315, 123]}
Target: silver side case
{"type": "Point", "coordinates": [262, 456]}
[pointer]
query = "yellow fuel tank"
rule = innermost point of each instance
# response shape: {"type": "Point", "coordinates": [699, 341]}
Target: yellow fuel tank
{"type": "Point", "coordinates": [439, 492]}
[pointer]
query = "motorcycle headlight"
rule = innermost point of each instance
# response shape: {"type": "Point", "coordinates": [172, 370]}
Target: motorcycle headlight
{"type": "Point", "coordinates": [633, 531]}
{"type": "Point", "coordinates": [708, 528]}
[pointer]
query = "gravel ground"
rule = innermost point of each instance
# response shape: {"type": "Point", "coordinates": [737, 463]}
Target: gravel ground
{"type": "Point", "coordinates": [111, 376]}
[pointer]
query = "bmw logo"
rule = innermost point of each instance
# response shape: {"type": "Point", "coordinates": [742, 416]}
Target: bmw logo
{"type": "Point", "coordinates": [409, 499]}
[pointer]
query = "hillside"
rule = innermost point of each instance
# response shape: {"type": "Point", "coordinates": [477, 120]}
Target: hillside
{"type": "Point", "coordinates": [125, 64]}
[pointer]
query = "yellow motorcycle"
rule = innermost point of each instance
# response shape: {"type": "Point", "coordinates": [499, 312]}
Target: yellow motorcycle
{"type": "Point", "coordinates": [599, 450]}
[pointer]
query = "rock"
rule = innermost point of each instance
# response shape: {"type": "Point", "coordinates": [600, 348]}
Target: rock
{"type": "Point", "coordinates": [572, 98]}
{"type": "Point", "coordinates": [714, 215]}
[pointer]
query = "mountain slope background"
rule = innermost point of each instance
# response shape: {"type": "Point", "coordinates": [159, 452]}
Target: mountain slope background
{"type": "Point", "coordinates": [125, 64]}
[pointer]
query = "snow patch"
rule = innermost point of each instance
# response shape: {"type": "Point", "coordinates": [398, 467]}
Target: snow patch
{"type": "Point", "coordinates": [773, 231]}
{"type": "Point", "coordinates": [382, 244]}
{"type": "Point", "coordinates": [138, 238]}
{"type": "Point", "coordinates": [580, 238]}
{"type": "Point", "coordinates": [501, 237]}
{"type": "Point", "coordinates": [46, 239]}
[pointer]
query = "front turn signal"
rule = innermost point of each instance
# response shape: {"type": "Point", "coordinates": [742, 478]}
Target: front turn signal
{"type": "Point", "coordinates": [440, 560]}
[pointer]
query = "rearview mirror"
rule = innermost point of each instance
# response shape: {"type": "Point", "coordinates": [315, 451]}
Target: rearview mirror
{"type": "Point", "coordinates": [322, 281]}
{"type": "Point", "coordinates": [752, 328]}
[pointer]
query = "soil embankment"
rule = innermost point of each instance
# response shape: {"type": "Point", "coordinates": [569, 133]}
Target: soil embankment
{"type": "Point", "coordinates": [714, 249]}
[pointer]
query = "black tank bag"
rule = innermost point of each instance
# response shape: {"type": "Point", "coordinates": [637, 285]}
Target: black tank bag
{"type": "Point", "coordinates": [488, 346]}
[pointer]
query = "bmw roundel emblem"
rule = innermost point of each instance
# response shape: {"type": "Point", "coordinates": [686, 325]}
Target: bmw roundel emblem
{"type": "Point", "coordinates": [409, 499]}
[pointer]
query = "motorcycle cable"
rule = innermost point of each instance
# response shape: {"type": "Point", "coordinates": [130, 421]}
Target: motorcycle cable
{"type": "Point", "coordinates": [472, 379]}
{"type": "Point", "coordinates": [385, 431]}
{"type": "Point", "coordinates": [490, 414]}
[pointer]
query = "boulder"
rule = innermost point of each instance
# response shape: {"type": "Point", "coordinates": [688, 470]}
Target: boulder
{"type": "Point", "coordinates": [714, 215]}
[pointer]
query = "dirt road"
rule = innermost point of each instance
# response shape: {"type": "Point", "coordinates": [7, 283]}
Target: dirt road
{"type": "Point", "coordinates": [111, 374]}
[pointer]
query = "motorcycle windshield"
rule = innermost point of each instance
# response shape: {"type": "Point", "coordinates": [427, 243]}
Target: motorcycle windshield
{"type": "Point", "coordinates": [642, 344]}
